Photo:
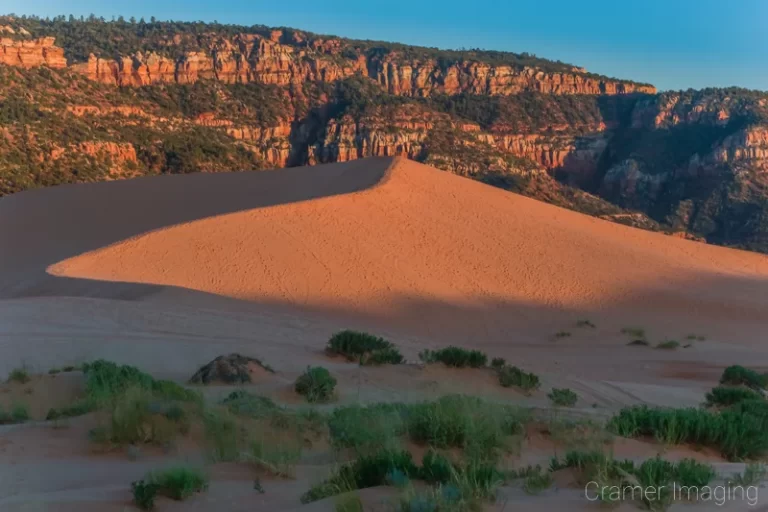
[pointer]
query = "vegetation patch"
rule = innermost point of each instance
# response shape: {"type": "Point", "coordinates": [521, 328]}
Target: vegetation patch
{"type": "Point", "coordinates": [563, 397]}
{"type": "Point", "coordinates": [18, 413]}
{"type": "Point", "coordinates": [364, 348]}
{"type": "Point", "coordinates": [513, 376]}
{"type": "Point", "coordinates": [612, 476]}
{"type": "Point", "coordinates": [480, 428]}
{"type": "Point", "coordinates": [537, 481]}
{"type": "Point", "coordinates": [563, 334]}
{"type": "Point", "coordinates": [77, 409]}
{"type": "Point", "coordinates": [638, 343]}
{"type": "Point", "coordinates": [739, 376]}
{"type": "Point", "coordinates": [753, 474]}
{"type": "Point", "coordinates": [738, 434]}
{"type": "Point", "coordinates": [367, 429]}
{"type": "Point", "coordinates": [455, 356]}
{"type": "Point", "coordinates": [668, 345]}
{"type": "Point", "coordinates": [366, 471]}
{"type": "Point", "coordinates": [20, 375]}
{"type": "Point", "coordinates": [585, 323]}
{"type": "Point", "coordinates": [498, 363]}
{"type": "Point", "coordinates": [316, 384]}
{"type": "Point", "coordinates": [635, 332]}
{"type": "Point", "coordinates": [727, 396]}
{"type": "Point", "coordinates": [178, 483]}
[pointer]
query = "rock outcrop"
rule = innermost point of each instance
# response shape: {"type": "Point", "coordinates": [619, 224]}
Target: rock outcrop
{"type": "Point", "coordinates": [229, 369]}
{"type": "Point", "coordinates": [246, 58]}
{"type": "Point", "coordinates": [31, 53]}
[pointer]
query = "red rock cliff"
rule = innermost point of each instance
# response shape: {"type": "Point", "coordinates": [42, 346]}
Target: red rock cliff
{"type": "Point", "coordinates": [31, 53]}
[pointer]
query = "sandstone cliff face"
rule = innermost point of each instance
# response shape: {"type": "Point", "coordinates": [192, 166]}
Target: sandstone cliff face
{"type": "Point", "coordinates": [425, 78]}
{"type": "Point", "coordinates": [746, 148]}
{"type": "Point", "coordinates": [31, 53]}
{"type": "Point", "coordinates": [253, 58]}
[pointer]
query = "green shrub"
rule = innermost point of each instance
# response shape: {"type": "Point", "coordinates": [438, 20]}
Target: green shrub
{"type": "Point", "coordinates": [367, 429]}
{"type": "Point", "coordinates": [727, 396]}
{"type": "Point", "coordinates": [562, 334]}
{"type": "Point", "coordinates": [275, 454]}
{"type": "Point", "coordinates": [316, 384]}
{"type": "Point", "coordinates": [349, 503]}
{"type": "Point", "coordinates": [178, 483]}
{"type": "Point", "coordinates": [225, 439]}
{"type": "Point", "coordinates": [691, 473]}
{"type": "Point", "coordinates": [364, 348]}
{"type": "Point", "coordinates": [366, 471]}
{"type": "Point", "coordinates": [144, 494]}
{"type": "Point", "coordinates": [513, 376]}
{"type": "Point", "coordinates": [638, 342]}
{"type": "Point", "coordinates": [106, 380]}
{"type": "Point", "coordinates": [455, 356]}
{"type": "Point", "coordinates": [635, 332]}
{"type": "Point", "coordinates": [537, 481]}
{"type": "Point", "coordinates": [656, 473]}
{"type": "Point", "coordinates": [243, 403]}
{"type": "Point", "coordinates": [77, 409]}
{"type": "Point", "coordinates": [739, 376]}
{"type": "Point", "coordinates": [20, 375]}
{"type": "Point", "coordinates": [498, 363]}
{"type": "Point", "coordinates": [54, 371]}
{"type": "Point", "coordinates": [17, 414]}
{"type": "Point", "coordinates": [735, 434]}
{"type": "Point", "coordinates": [668, 345]}
{"type": "Point", "coordinates": [436, 468]}
{"type": "Point", "coordinates": [480, 428]}
{"type": "Point", "coordinates": [753, 474]}
{"type": "Point", "coordinates": [585, 323]}
{"type": "Point", "coordinates": [563, 397]}
{"type": "Point", "coordinates": [137, 416]}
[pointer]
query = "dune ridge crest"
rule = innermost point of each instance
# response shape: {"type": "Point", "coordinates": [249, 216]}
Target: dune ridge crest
{"type": "Point", "coordinates": [413, 237]}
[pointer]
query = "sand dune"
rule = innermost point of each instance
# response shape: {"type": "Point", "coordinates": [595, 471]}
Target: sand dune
{"type": "Point", "coordinates": [402, 241]}
{"type": "Point", "coordinates": [166, 273]}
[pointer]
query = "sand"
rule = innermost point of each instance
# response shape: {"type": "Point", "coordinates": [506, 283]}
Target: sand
{"type": "Point", "coordinates": [168, 272]}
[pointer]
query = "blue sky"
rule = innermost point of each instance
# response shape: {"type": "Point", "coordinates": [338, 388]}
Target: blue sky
{"type": "Point", "coordinates": [674, 44]}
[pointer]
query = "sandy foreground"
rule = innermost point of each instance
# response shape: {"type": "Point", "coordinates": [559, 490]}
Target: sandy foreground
{"type": "Point", "coordinates": [168, 272]}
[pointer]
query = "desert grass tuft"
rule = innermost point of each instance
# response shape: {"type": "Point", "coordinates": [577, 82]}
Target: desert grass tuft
{"type": "Point", "coordinates": [639, 343]}
{"type": "Point", "coordinates": [482, 429]}
{"type": "Point", "coordinates": [513, 376]}
{"type": "Point", "coordinates": [635, 332]}
{"type": "Point", "coordinates": [585, 323]}
{"type": "Point", "coordinates": [537, 481]}
{"type": "Point", "coordinates": [753, 474]}
{"type": "Point", "coordinates": [727, 396]}
{"type": "Point", "coordinates": [563, 397]}
{"type": "Point", "coordinates": [18, 413]}
{"type": "Point", "coordinates": [316, 384]}
{"type": "Point", "coordinates": [349, 502]}
{"type": "Point", "coordinates": [366, 471]}
{"type": "Point", "coordinates": [737, 434]}
{"type": "Point", "coordinates": [739, 376]}
{"type": "Point", "coordinates": [455, 356]}
{"type": "Point", "coordinates": [177, 483]}
{"type": "Point", "coordinates": [20, 375]}
{"type": "Point", "coordinates": [364, 348]}
{"type": "Point", "coordinates": [668, 345]}
{"type": "Point", "coordinates": [367, 429]}
{"type": "Point", "coordinates": [563, 334]}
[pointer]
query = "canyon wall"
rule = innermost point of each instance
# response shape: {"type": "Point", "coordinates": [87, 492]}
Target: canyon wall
{"type": "Point", "coordinates": [248, 58]}
{"type": "Point", "coordinates": [30, 53]}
